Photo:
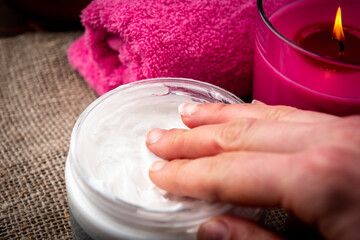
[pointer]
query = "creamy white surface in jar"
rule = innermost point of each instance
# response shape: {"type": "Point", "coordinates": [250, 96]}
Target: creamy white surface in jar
{"type": "Point", "coordinates": [117, 159]}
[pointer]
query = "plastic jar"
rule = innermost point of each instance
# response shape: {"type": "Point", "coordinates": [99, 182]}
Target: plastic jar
{"type": "Point", "coordinates": [97, 214]}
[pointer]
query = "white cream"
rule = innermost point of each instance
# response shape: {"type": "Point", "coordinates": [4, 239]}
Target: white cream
{"type": "Point", "coordinates": [117, 157]}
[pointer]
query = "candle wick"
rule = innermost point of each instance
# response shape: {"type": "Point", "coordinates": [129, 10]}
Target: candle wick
{"type": "Point", "coordinates": [341, 46]}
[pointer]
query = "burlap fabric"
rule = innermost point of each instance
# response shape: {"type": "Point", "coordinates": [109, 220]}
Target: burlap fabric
{"type": "Point", "coordinates": [41, 97]}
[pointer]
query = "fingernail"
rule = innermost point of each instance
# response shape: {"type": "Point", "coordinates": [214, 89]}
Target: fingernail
{"type": "Point", "coordinates": [156, 166]}
{"type": "Point", "coordinates": [254, 101]}
{"type": "Point", "coordinates": [213, 230]}
{"type": "Point", "coordinates": [188, 109]}
{"type": "Point", "coordinates": [154, 135]}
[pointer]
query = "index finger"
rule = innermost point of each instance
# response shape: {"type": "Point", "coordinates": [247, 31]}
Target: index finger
{"type": "Point", "coordinates": [194, 115]}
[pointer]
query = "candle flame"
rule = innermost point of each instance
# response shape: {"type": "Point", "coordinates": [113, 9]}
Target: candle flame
{"type": "Point", "coordinates": [338, 32]}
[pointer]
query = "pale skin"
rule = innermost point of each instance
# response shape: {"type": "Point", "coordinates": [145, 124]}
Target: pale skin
{"type": "Point", "coordinates": [264, 156]}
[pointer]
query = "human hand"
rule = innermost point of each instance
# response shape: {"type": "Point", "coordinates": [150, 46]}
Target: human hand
{"type": "Point", "coordinates": [264, 156]}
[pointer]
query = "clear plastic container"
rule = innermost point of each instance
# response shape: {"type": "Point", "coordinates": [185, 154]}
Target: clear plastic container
{"type": "Point", "coordinates": [96, 213]}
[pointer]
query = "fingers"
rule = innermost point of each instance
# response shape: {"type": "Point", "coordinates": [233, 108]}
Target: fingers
{"type": "Point", "coordinates": [228, 227]}
{"type": "Point", "coordinates": [245, 178]}
{"type": "Point", "coordinates": [237, 135]}
{"type": "Point", "coordinates": [194, 115]}
{"type": "Point", "coordinates": [220, 127]}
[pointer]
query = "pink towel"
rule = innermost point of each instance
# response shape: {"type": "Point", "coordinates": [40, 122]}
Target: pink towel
{"type": "Point", "coordinates": [129, 40]}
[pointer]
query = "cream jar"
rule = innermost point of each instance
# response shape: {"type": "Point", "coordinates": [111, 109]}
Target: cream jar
{"type": "Point", "coordinates": [110, 195]}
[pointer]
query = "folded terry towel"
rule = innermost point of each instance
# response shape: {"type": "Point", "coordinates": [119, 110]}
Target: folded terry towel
{"type": "Point", "coordinates": [129, 40]}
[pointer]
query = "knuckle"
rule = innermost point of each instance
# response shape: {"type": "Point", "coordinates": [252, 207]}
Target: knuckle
{"type": "Point", "coordinates": [176, 138]}
{"type": "Point", "coordinates": [218, 168]}
{"type": "Point", "coordinates": [331, 171]}
{"type": "Point", "coordinates": [279, 112]}
{"type": "Point", "coordinates": [223, 111]}
{"type": "Point", "coordinates": [331, 162]}
{"type": "Point", "coordinates": [232, 134]}
{"type": "Point", "coordinates": [214, 187]}
{"type": "Point", "coordinates": [325, 160]}
{"type": "Point", "coordinates": [348, 129]}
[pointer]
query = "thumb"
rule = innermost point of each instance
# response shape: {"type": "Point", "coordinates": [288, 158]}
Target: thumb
{"type": "Point", "coordinates": [229, 227]}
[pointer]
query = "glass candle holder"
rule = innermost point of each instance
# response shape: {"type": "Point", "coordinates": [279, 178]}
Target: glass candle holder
{"type": "Point", "coordinates": [97, 209]}
{"type": "Point", "coordinates": [299, 63]}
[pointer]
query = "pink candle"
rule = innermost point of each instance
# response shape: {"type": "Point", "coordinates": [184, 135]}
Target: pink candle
{"type": "Point", "coordinates": [293, 66]}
